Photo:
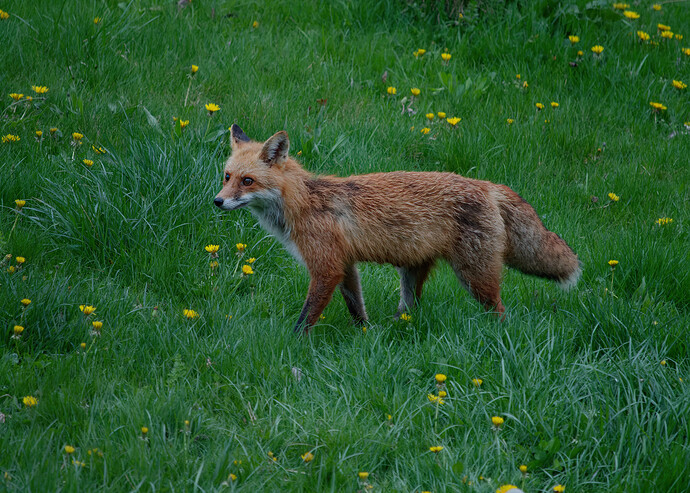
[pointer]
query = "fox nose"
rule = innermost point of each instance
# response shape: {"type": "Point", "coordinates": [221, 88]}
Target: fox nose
{"type": "Point", "coordinates": [218, 201]}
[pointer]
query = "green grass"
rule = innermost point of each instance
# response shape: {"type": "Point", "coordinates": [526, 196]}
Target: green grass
{"type": "Point", "coordinates": [577, 375]}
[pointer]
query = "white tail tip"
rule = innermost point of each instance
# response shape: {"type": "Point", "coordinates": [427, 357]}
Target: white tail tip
{"type": "Point", "coordinates": [571, 280]}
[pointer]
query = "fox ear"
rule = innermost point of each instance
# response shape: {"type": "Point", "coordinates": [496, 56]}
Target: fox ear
{"type": "Point", "coordinates": [237, 136]}
{"type": "Point", "coordinates": [275, 149]}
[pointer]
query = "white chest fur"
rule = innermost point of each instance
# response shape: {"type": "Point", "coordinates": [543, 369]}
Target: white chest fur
{"type": "Point", "coordinates": [267, 207]}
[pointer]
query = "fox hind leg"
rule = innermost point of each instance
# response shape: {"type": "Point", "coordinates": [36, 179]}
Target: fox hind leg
{"type": "Point", "coordinates": [351, 289]}
{"type": "Point", "coordinates": [411, 282]}
{"type": "Point", "coordinates": [484, 283]}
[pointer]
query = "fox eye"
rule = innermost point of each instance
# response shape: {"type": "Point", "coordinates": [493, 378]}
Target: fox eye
{"type": "Point", "coordinates": [247, 181]}
{"type": "Point", "coordinates": [227, 176]}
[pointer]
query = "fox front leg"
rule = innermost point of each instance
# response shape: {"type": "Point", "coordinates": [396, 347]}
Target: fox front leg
{"type": "Point", "coordinates": [320, 293]}
{"type": "Point", "coordinates": [351, 288]}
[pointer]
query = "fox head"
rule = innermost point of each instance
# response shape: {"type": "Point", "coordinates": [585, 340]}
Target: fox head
{"type": "Point", "coordinates": [252, 173]}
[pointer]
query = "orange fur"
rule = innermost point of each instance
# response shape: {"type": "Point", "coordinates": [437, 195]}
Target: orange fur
{"type": "Point", "coordinates": [408, 219]}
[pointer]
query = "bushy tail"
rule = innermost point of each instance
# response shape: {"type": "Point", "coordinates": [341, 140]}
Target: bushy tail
{"type": "Point", "coordinates": [532, 248]}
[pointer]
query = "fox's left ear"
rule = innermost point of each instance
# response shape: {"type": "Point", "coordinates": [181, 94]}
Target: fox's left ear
{"type": "Point", "coordinates": [275, 149]}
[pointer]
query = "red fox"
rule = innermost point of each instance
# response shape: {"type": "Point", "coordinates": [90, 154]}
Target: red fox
{"type": "Point", "coordinates": [408, 219]}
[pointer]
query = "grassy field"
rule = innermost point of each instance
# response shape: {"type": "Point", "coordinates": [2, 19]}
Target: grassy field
{"type": "Point", "coordinates": [593, 384]}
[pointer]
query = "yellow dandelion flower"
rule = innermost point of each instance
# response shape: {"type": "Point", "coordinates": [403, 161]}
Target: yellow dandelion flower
{"type": "Point", "coordinates": [88, 162]}
{"type": "Point", "coordinates": [658, 106]}
{"type": "Point", "coordinates": [614, 197]}
{"type": "Point", "coordinates": [97, 20]}
{"type": "Point", "coordinates": [213, 264]}
{"type": "Point", "coordinates": [597, 49]}
{"type": "Point", "coordinates": [523, 469]}
{"type": "Point", "coordinates": [436, 399]}
{"type": "Point", "coordinates": [212, 108]}
{"type": "Point", "coordinates": [183, 123]}
{"type": "Point", "coordinates": [663, 362]}
{"type": "Point", "coordinates": [497, 421]}
{"type": "Point", "coordinates": [77, 136]}
{"type": "Point", "coordinates": [83, 345]}
{"type": "Point", "coordinates": [453, 121]}
{"type": "Point", "coordinates": [525, 85]}
{"type": "Point", "coordinates": [233, 477]}
{"type": "Point", "coordinates": [97, 326]}
{"type": "Point", "coordinates": [97, 150]}
{"type": "Point", "coordinates": [631, 15]}
{"type": "Point", "coordinates": [679, 37]}
{"type": "Point", "coordinates": [190, 314]}
{"type": "Point", "coordinates": [559, 488]}
{"type": "Point", "coordinates": [415, 91]}
{"type": "Point", "coordinates": [20, 203]}
{"type": "Point", "coordinates": [307, 457]}
{"type": "Point", "coordinates": [510, 121]}
{"type": "Point", "coordinates": [405, 317]}
{"type": "Point", "coordinates": [663, 221]}
{"type": "Point", "coordinates": [656, 7]}
{"type": "Point", "coordinates": [574, 39]}
{"type": "Point", "coordinates": [442, 393]}
{"type": "Point", "coordinates": [391, 90]}
{"type": "Point", "coordinates": [539, 106]}
{"type": "Point", "coordinates": [195, 69]}
{"type": "Point", "coordinates": [39, 133]}
{"type": "Point", "coordinates": [679, 84]}
{"type": "Point", "coordinates": [620, 6]}
{"type": "Point", "coordinates": [506, 488]}
{"type": "Point", "coordinates": [251, 260]}
{"type": "Point", "coordinates": [613, 263]}
{"type": "Point", "coordinates": [255, 24]}
{"type": "Point", "coordinates": [554, 104]}
{"type": "Point", "coordinates": [436, 449]}
{"type": "Point", "coordinates": [643, 35]}
{"type": "Point", "coordinates": [446, 56]}
{"type": "Point", "coordinates": [477, 382]}
{"type": "Point", "coordinates": [4, 15]}
{"type": "Point", "coordinates": [211, 248]}
{"type": "Point", "coordinates": [241, 247]}
{"type": "Point", "coordinates": [430, 116]}
{"type": "Point", "coordinates": [425, 130]}
{"type": "Point", "coordinates": [53, 130]}
{"type": "Point", "coordinates": [363, 475]}
{"type": "Point", "coordinates": [247, 270]}
{"type": "Point", "coordinates": [518, 76]}
{"type": "Point", "coordinates": [21, 260]}
{"type": "Point", "coordinates": [440, 378]}
{"type": "Point", "coordinates": [16, 96]}
{"type": "Point", "coordinates": [421, 52]}
{"type": "Point", "coordinates": [87, 309]}
{"type": "Point", "coordinates": [10, 138]}
{"type": "Point", "coordinates": [663, 27]}
{"type": "Point", "coordinates": [40, 89]}
{"type": "Point", "coordinates": [18, 329]}
{"type": "Point", "coordinates": [580, 53]}
{"type": "Point", "coordinates": [144, 430]}
{"type": "Point", "coordinates": [686, 51]}
{"type": "Point", "coordinates": [25, 301]}
{"type": "Point", "coordinates": [30, 401]}
{"type": "Point", "coordinates": [667, 34]}
{"type": "Point", "coordinates": [69, 449]}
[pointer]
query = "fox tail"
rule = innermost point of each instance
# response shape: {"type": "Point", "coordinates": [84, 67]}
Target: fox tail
{"type": "Point", "coordinates": [532, 248]}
